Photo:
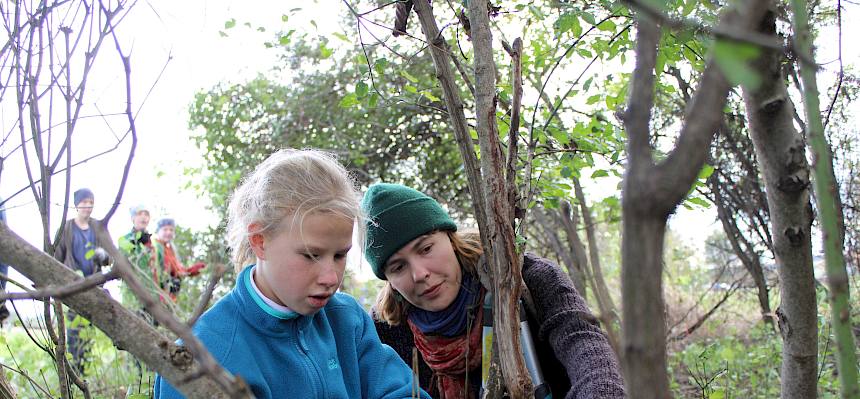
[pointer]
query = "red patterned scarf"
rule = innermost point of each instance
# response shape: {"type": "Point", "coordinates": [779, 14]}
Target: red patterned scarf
{"type": "Point", "coordinates": [447, 356]}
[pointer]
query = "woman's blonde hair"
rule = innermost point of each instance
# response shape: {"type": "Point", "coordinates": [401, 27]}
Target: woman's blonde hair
{"type": "Point", "coordinates": [392, 308]}
{"type": "Point", "coordinates": [293, 183]}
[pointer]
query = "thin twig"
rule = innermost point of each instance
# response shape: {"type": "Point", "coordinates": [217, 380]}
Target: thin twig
{"type": "Point", "coordinates": [64, 290]}
{"type": "Point", "coordinates": [513, 133]}
{"type": "Point", "coordinates": [60, 349]}
{"type": "Point", "coordinates": [217, 273]}
{"type": "Point", "coordinates": [841, 67]}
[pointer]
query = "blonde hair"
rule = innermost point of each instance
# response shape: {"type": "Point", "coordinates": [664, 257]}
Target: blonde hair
{"type": "Point", "coordinates": [392, 308]}
{"type": "Point", "coordinates": [289, 182]}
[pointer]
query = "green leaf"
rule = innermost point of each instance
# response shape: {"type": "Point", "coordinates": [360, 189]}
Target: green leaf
{"type": "Point", "coordinates": [689, 6]}
{"type": "Point", "coordinates": [599, 173]}
{"type": "Point", "coordinates": [373, 100]}
{"type": "Point", "coordinates": [349, 100]}
{"type": "Point", "coordinates": [430, 96]}
{"type": "Point", "coordinates": [607, 26]}
{"type": "Point", "coordinates": [284, 18]}
{"type": "Point", "coordinates": [706, 172]}
{"type": "Point", "coordinates": [537, 12]}
{"type": "Point", "coordinates": [699, 201]}
{"type": "Point", "coordinates": [717, 394]}
{"type": "Point", "coordinates": [379, 65]}
{"type": "Point", "coordinates": [593, 99]}
{"type": "Point", "coordinates": [229, 24]}
{"type": "Point", "coordinates": [411, 89]}
{"type": "Point", "coordinates": [285, 39]}
{"type": "Point", "coordinates": [612, 202]}
{"type": "Point", "coordinates": [589, 18]}
{"type": "Point", "coordinates": [733, 59]}
{"type": "Point", "coordinates": [408, 76]}
{"type": "Point", "coordinates": [584, 53]}
{"type": "Point", "coordinates": [569, 22]}
{"type": "Point", "coordinates": [325, 52]}
{"type": "Point", "coordinates": [660, 62]}
{"type": "Point", "coordinates": [341, 36]}
{"type": "Point", "coordinates": [566, 172]}
{"type": "Point", "coordinates": [361, 89]}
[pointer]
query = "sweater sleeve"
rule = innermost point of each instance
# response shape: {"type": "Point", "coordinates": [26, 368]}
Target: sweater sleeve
{"type": "Point", "coordinates": [61, 248]}
{"type": "Point", "coordinates": [572, 332]}
{"type": "Point", "coordinates": [383, 372]}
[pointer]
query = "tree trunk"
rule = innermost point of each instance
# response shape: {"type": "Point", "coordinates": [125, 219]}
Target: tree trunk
{"type": "Point", "coordinates": [610, 315]}
{"type": "Point", "coordinates": [644, 337]}
{"type": "Point", "coordinates": [492, 211]}
{"type": "Point", "coordinates": [746, 252]}
{"type": "Point", "coordinates": [607, 316]}
{"type": "Point", "coordinates": [782, 161]}
{"type": "Point", "coordinates": [651, 192]}
{"type": "Point", "coordinates": [567, 256]}
{"type": "Point", "coordinates": [502, 256]}
{"type": "Point", "coordinates": [829, 208]}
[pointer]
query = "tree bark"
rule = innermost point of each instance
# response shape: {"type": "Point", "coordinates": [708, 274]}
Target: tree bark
{"type": "Point", "coordinates": [492, 211]}
{"type": "Point", "coordinates": [501, 254]}
{"type": "Point", "coordinates": [650, 194]}
{"type": "Point", "coordinates": [782, 161]}
{"type": "Point", "coordinates": [574, 269]}
{"type": "Point", "coordinates": [441, 61]}
{"type": "Point", "coordinates": [743, 249]}
{"type": "Point", "coordinates": [829, 208]}
{"type": "Point", "coordinates": [610, 316]}
{"type": "Point", "coordinates": [126, 330]}
{"type": "Point", "coordinates": [6, 391]}
{"type": "Point", "coordinates": [568, 219]}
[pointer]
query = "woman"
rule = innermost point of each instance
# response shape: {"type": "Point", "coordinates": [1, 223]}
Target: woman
{"type": "Point", "coordinates": [433, 302]}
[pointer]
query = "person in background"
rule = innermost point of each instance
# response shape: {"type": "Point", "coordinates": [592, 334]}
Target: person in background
{"type": "Point", "coordinates": [433, 302]}
{"type": "Point", "coordinates": [284, 328]}
{"type": "Point", "coordinates": [136, 245]}
{"type": "Point", "coordinates": [168, 265]}
{"type": "Point", "coordinates": [80, 248]}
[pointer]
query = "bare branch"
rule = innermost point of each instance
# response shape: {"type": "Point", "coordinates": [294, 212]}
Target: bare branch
{"type": "Point", "coordinates": [638, 114]}
{"type": "Point", "coordinates": [217, 273]}
{"type": "Point", "coordinates": [62, 291]}
{"type": "Point", "coordinates": [513, 133]}
{"type": "Point", "coordinates": [455, 106]}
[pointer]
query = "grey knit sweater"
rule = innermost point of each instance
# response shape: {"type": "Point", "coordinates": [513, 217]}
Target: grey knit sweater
{"type": "Point", "coordinates": [575, 356]}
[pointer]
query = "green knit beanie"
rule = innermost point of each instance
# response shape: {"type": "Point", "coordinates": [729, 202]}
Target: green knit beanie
{"type": "Point", "coordinates": [396, 215]}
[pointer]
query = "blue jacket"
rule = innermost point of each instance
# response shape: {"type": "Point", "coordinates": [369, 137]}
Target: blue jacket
{"type": "Point", "coordinates": [334, 353]}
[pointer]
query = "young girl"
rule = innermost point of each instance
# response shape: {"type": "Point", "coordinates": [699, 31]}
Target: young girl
{"type": "Point", "coordinates": [433, 302]}
{"type": "Point", "coordinates": [283, 328]}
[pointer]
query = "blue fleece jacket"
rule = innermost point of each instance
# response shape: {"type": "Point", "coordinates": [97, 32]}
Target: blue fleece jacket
{"type": "Point", "coordinates": [334, 353]}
